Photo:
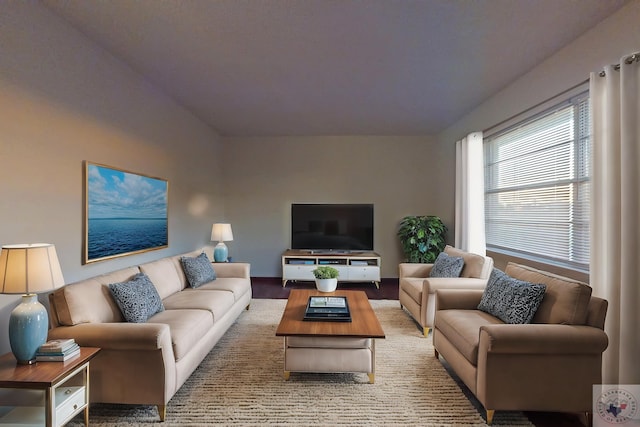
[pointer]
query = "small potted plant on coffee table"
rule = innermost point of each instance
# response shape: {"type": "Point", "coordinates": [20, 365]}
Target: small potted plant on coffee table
{"type": "Point", "coordinates": [326, 278]}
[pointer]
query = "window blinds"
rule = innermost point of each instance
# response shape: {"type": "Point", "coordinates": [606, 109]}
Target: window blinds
{"type": "Point", "coordinates": [537, 185]}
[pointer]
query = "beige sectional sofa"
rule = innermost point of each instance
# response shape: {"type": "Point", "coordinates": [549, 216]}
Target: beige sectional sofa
{"type": "Point", "coordinates": [146, 363]}
{"type": "Point", "coordinates": [549, 364]}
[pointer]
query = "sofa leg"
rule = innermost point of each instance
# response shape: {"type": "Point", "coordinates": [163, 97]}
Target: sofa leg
{"type": "Point", "coordinates": [425, 331]}
{"type": "Point", "coordinates": [588, 417]}
{"type": "Point", "coordinates": [248, 305]}
{"type": "Point", "coordinates": [436, 353]}
{"type": "Point", "coordinates": [162, 411]}
{"type": "Point", "coordinates": [490, 413]}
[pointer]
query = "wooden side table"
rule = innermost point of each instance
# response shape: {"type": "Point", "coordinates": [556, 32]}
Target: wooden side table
{"type": "Point", "coordinates": [65, 386]}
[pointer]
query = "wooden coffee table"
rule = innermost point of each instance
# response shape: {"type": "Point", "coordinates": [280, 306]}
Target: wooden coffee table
{"type": "Point", "coordinates": [329, 346]}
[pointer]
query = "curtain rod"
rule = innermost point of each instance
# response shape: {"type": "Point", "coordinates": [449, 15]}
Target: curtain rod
{"type": "Point", "coordinates": [634, 57]}
{"type": "Point", "coordinates": [533, 107]}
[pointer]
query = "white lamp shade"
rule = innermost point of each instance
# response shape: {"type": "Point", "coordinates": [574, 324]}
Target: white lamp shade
{"type": "Point", "coordinates": [27, 269]}
{"type": "Point", "coordinates": [221, 233]}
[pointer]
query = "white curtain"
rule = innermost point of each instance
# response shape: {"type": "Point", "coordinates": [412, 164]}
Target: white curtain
{"type": "Point", "coordinates": [469, 226]}
{"type": "Point", "coordinates": [615, 214]}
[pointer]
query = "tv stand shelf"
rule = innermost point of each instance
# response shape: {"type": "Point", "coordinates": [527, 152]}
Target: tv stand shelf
{"type": "Point", "coordinates": [298, 265]}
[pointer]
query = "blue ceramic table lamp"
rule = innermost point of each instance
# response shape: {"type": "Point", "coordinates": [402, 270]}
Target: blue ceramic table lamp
{"type": "Point", "coordinates": [28, 270]}
{"type": "Point", "coordinates": [221, 233]}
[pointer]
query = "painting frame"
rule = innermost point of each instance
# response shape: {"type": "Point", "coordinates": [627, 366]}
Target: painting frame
{"type": "Point", "coordinates": [125, 213]}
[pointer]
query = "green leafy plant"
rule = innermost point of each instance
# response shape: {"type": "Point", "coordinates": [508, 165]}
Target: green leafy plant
{"type": "Point", "coordinates": [325, 272]}
{"type": "Point", "coordinates": [422, 238]}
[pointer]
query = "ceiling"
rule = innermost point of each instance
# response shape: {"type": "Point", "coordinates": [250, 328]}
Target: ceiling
{"type": "Point", "coordinates": [332, 67]}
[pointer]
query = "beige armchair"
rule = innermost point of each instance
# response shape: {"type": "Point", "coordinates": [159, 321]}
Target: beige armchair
{"type": "Point", "coordinates": [417, 289]}
{"type": "Point", "coordinates": [550, 364]}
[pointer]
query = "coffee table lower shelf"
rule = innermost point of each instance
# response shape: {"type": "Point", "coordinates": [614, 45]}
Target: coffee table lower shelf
{"type": "Point", "coordinates": [330, 355]}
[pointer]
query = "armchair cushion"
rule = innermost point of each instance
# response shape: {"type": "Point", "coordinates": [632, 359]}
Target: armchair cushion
{"type": "Point", "coordinates": [474, 264]}
{"type": "Point", "coordinates": [566, 301]}
{"type": "Point", "coordinates": [511, 300]}
{"type": "Point", "coordinates": [447, 266]}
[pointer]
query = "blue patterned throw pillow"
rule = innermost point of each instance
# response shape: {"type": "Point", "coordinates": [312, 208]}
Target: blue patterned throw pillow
{"type": "Point", "coordinates": [137, 298]}
{"type": "Point", "coordinates": [447, 266]}
{"type": "Point", "coordinates": [198, 270]}
{"type": "Point", "coordinates": [511, 300]}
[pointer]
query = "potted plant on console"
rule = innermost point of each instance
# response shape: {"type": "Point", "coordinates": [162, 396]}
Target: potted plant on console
{"type": "Point", "coordinates": [326, 278]}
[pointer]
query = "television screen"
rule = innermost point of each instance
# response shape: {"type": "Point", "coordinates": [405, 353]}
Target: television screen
{"type": "Point", "coordinates": [332, 227]}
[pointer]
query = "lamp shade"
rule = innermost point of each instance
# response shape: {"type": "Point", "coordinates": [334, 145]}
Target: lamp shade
{"type": "Point", "coordinates": [28, 269]}
{"type": "Point", "coordinates": [221, 233]}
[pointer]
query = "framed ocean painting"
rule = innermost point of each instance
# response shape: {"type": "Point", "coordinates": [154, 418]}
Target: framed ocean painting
{"type": "Point", "coordinates": [125, 213]}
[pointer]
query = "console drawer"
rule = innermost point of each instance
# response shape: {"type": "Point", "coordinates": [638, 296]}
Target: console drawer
{"type": "Point", "coordinates": [69, 401]}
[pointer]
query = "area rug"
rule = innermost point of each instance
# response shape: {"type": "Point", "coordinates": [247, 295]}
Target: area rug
{"type": "Point", "coordinates": [240, 383]}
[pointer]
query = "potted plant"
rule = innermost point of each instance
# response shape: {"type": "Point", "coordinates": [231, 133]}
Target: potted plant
{"type": "Point", "coordinates": [422, 238]}
{"type": "Point", "coordinates": [326, 278]}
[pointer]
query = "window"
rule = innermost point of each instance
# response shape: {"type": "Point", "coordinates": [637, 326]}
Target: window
{"type": "Point", "coordinates": [537, 186]}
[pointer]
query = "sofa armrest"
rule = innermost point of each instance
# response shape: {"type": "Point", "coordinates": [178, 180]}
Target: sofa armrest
{"type": "Point", "coordinates": [116, 336]}
{"type": "Point", "coordinates": [411, 269]}
{"type": "Point", "coordinates": [458, 299]}
{"type": "Point", "coordinates": [542, 339]}
{"type": "Point", "coordinates": [232, 269]}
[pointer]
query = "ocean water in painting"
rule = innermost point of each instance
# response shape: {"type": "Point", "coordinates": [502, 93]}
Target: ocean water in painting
{"type": "Point", "coordinates": [114, 236]}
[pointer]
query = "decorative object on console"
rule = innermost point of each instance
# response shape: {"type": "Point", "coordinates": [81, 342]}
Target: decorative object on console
{"type": "Point", "coordinates": [326, 278]}
{"type": "Point", "coordinates": [29, 269]}
{"type": "Point", "coordinates": [221, 233]}
{"type": "Point", "coordinates": [422, 238]}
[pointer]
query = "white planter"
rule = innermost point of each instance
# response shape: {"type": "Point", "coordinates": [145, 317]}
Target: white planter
{"type": "Point", "coordinates": [326, 285]}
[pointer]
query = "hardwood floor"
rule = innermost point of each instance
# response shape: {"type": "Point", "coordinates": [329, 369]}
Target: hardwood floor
{"type": "Point", "coordinates": [271, 287]}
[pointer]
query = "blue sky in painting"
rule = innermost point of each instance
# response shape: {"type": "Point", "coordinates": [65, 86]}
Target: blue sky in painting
{"type": "Point", "coordinates": [116, 194]}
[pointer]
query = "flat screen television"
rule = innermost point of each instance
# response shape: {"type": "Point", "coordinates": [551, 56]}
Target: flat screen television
{"type": "Point", "coordinates": [332, 227]}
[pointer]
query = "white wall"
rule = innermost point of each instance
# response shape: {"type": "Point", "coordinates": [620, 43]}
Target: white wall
{"type": "Point", "coordinates": [605, 44]}
{"type": "Point", "coordinates": [263, 176]}
{"type": "Point", "coordinates": [64, 100]}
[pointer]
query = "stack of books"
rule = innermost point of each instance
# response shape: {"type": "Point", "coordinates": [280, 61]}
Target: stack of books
{"type": "Point", "coordinates": [335, 309]}
{"type": "Point", "coordinates": [57, 350]}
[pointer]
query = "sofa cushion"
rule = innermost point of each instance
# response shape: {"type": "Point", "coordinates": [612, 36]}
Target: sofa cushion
{"type": "Point", "coordinates": [462, 329]}
{"type": "Point", "coordinates": [184, 283]}
{"type": "Point", "coordinates": [163, 275]}
{"type": "Point", "coordinates": [447, 266]}
{"type": "Point", "coordinates": [137, 298]}
{"type": "Point", "coordinates": [473, 263]}
{"type": "Point", "coordinates": [71, 308]}
{"type": "Point", "coordinates": [217, 303]}
{"type": "Point", "coordinates": [236, 285]}
{"type": "Point", "coordinates": [71, 305]}
{"type": "Point", "coordinates": [198, 270]}
{"type": "Point", "coordinates": [566, 301]}
{"type": "Point", "coordinates": [511, 300]}
{"type": "Point", "coordinates": [187, 327]}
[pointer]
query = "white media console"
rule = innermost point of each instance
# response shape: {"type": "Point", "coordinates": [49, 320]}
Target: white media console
{"type": "Point", "coordinates": [353, 266]}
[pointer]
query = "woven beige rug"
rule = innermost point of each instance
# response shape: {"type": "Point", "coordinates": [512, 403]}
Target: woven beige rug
{"type": "Point", "coordinates": [240, 383]}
